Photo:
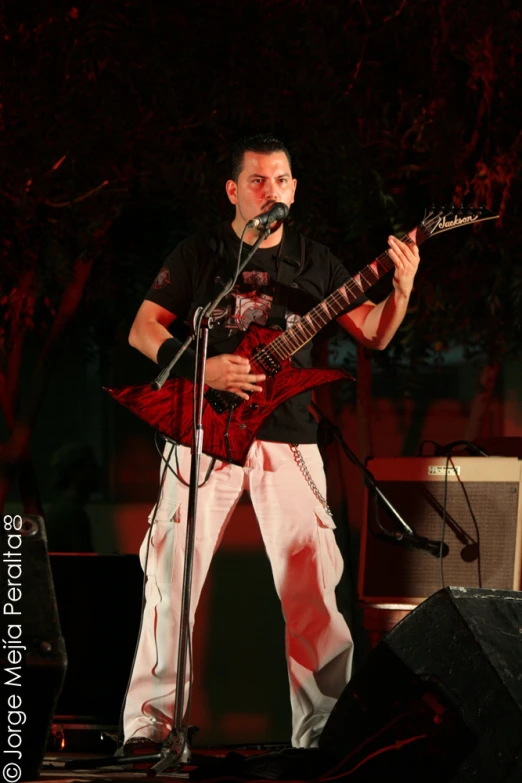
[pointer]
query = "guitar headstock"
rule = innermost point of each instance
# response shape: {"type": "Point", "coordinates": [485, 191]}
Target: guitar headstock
{"type": "Point", "coordinates": [450, 216]}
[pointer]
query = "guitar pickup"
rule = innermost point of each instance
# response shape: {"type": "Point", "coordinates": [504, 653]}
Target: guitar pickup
{"type": "Point", "coordinates": [266, 360]}
{"type": "Point", "coordinates": [222, 401]}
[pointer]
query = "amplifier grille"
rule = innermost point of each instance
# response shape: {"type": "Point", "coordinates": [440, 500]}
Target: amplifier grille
{"type": "Point", "coordinates": [394, 571]}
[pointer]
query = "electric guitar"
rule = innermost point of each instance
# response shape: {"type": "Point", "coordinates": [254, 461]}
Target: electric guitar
{"type": "Point", "coordinates": [230, 423]}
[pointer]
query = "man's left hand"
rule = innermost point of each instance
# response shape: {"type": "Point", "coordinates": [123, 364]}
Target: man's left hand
{"type": "Point", "coordinates": [406, 259]}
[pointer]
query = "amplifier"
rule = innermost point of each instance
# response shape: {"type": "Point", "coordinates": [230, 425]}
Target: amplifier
{"type": "Point", "coordinates": [482, 527]}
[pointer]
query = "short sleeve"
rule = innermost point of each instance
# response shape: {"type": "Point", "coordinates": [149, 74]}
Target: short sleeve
{"type": "Point", "coordinates": [174, 285]}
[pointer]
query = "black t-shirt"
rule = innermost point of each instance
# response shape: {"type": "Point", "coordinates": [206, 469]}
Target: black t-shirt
{"type": "Point", "coordinates": [188, 279]}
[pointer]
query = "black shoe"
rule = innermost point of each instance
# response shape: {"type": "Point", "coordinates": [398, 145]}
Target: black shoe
{"type": "Point", "coordinates": [141, 746]}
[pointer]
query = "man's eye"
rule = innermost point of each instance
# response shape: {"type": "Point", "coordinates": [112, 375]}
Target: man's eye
{"type": "Point", "coordinates": [283, 180]}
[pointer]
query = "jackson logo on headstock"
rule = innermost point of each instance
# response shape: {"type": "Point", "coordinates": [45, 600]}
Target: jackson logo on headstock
{"type": "Point", "coordinates": [456, 221]}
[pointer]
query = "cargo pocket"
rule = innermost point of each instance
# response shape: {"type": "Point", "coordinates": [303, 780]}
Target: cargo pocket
{"type": "Point", "coordinates": [158, 562]}
{"type": "Point", "coordinates": [331, 561]}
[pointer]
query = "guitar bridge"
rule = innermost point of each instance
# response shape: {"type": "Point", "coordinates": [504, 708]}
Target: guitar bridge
{"type": "Point", "coordinates": [222, 401]}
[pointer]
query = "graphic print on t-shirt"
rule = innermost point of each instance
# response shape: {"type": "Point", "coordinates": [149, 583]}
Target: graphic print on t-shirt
{"type": "Point", "coordinates": [249, 302]}
{"type": "Point", "coordinates": [162, 279]}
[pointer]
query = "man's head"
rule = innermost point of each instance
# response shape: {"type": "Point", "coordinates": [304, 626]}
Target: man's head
{"type": "Point", "coordinates": [261, 176]}
{"type": "Point", "coordinates": [262, 143]}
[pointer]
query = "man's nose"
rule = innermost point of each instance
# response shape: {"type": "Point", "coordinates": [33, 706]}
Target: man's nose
{"type": "Point", "coordinates": [271, 190]}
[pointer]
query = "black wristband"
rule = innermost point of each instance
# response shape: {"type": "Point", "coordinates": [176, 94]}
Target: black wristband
{"type": "Point", "coordinates": [185, 366]}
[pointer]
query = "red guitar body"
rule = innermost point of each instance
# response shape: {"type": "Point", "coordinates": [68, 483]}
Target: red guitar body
{"type": "Point", "coordinates": [170, 410]}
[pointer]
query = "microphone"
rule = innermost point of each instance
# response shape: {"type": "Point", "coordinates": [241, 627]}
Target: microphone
{"type": "Point", "coordinates": [470, 552]}
{"type": "Point", "coordinates": [435, 548]}
{"type": "Point", "coordinates": [275, 214]}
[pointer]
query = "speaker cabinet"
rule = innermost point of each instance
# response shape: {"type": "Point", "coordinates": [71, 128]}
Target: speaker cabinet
{"type": "Point", "coordinates": [440, 697]}
{"type": "Point", "coordinates": [33, 657]}
{"type": "Point", "coordinates": [99, 600]}
{"type": "Point", "coordinates": [482, 501]}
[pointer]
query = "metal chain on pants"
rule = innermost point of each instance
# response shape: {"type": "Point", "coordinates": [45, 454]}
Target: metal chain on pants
{"type": "Point", "coordinates": [309, 480]}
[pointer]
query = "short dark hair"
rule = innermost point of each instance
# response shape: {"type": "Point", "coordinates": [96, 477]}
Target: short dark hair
{"type": "Point", "coordinates": [264, 143]}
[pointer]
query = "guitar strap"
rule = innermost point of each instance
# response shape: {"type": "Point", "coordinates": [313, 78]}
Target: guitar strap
{"type": "Point", "coordinates": [290, 262]}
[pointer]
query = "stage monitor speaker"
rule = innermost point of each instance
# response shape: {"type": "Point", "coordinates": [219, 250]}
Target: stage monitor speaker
{"type": "Point", "coordinates": [33, 652]}
{"type": "Point", "coordinates": [439, 698]}
{"type": "Point", "coordinates": [99, 600]}
{"type": "Point", "coordinates": [482, 530]}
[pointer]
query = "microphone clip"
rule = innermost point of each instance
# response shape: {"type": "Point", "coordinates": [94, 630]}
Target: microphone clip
{"type": "Point", "coordinates": [435, 548]}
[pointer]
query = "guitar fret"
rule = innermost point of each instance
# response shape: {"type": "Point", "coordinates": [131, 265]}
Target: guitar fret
{"type": "Point", "coordinates": [344, 293]}
{"type": "Point", "coordinates": [316, 314]}
{"type": "Point", "coordinates": [302, 326]}
{"type": "Point", "coordinates": [289, 338]}
{"type": "Point", "coordinates": [385, 260]}
{"type": "Point", "coordinates": [372, 277]}
{"type": "Point", "coordinates": [293, 341]}
{"type": "Point", "coordinates": [306, 322]}
{"type": "Point", "coordinates": [338, 300]}
{"type": "Point", "coordinates": [354, 289]}
{"type": "Point", "coordinates": [325, 310]}
{"type": "Point", "coordinates": [277, 348]}
{"type": "Point", "coordinates": [274, 347]}
{"type": "Point", "coordinates": [340, 306]}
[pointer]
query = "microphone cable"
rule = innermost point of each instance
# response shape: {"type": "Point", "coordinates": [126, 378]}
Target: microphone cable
{"type": "Point", "coordinates": [476, 543]}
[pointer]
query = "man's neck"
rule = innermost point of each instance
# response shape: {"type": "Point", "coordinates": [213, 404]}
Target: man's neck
{"type": "Point", "coordinates": [252, 234]}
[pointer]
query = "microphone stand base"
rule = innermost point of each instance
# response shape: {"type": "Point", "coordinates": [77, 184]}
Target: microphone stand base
{"type": "Point", "coordinates": [176, 751]}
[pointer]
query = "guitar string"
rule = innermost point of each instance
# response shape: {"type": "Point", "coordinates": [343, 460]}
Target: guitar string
{"type": "Point", "coordinates": [326, 310]}
{"type": "Point", "coordinates": [334, 303]}
{"type": "Point", "coordinates": [337, 299]}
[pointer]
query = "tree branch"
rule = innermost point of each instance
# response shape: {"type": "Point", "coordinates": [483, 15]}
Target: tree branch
{"type": "Point", "coordinates": [77, 200]}
{"type": "Point", "coordinates": [9, 196]}
{"type": "Point", "coordinates": [56, 165]}
{"type": "Point", "coordinates": [17, 447]}
{"type": "Point", "coordinates": [397, 12]}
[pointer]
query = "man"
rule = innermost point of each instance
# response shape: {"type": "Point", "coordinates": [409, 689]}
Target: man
{"type": "Point", "coordinates": [286, 482]}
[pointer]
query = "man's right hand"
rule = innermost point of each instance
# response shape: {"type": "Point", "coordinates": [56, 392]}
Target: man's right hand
{"type": "Point", "coordinates": [231, 373]}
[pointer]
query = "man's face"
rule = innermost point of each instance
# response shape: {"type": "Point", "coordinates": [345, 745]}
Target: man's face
{"type": "Point", "coordinates": [264, 180]}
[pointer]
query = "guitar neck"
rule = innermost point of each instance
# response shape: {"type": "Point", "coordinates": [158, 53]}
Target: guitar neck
{"type": "Point", "coordinates": [291, 341]}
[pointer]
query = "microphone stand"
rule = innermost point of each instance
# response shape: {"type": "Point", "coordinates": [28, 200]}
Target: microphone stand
{"type": "Point", "coordinates": [176, 748]}
{"type": "Point", "coordinates": [406, 533]}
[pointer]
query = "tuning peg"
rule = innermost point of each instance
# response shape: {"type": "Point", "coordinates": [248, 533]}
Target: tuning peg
{"type": "Point", "coordinates": [463, 209]}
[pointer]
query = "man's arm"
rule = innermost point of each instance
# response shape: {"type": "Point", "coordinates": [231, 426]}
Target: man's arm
{"type": "Point", "coordinates": [375, 325]}
{"type": "Point", "coordinates": [226, 372]}
{"type": "Point", "coordinates": [150, 329]}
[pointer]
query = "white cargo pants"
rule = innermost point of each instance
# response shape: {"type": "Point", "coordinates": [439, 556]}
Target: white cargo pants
{"type": "Point", "coordinates": [306, 566]}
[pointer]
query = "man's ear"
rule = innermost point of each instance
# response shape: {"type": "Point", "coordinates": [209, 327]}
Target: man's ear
{"type": "Point", "coordinates": [295, 185]}
{"type": "Point", "coordinates": [231, 188]}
